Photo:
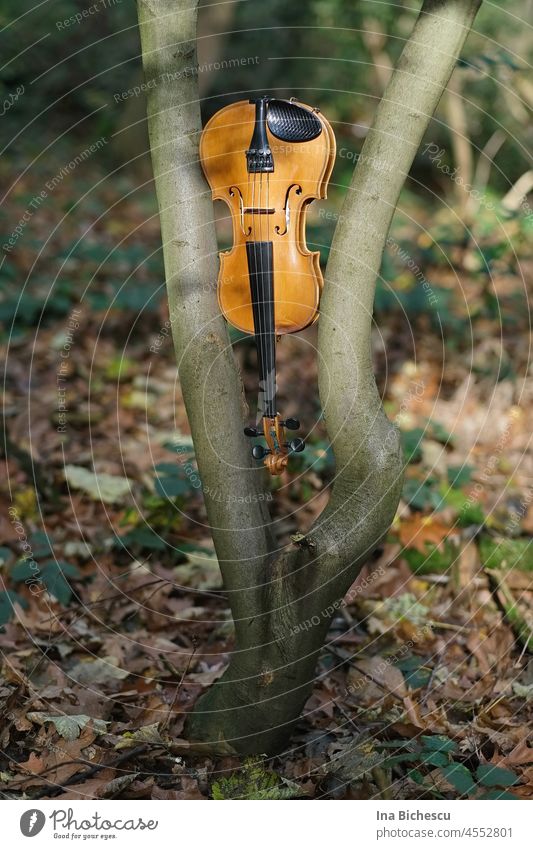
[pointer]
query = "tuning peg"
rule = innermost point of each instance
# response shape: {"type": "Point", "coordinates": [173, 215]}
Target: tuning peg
{"type": "Point", "coordinates": [258, 452]}
{"type": "Point", "coordinates": [296, 445]}
{"type": "Point", "coordinates": [249, 430]}
{"type": "Point", "coordinates": [291, 424]}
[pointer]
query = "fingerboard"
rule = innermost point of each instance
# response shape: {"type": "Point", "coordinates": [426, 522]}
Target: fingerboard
{"type": "Point", "coordinates": [261, 275]}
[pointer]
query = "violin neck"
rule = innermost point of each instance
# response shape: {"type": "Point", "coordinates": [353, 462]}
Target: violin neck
{"type": "Point", "coordinates": [261, 274]}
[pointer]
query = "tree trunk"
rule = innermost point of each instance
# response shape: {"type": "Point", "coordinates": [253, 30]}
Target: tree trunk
{"type": "Point", "coordinates": [282, 601]}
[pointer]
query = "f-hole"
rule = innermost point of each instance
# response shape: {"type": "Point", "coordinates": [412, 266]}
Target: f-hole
{"type": "Point", "coordinates": [232, 190]}
{"type": "Point", "coordinates": [287, 209]}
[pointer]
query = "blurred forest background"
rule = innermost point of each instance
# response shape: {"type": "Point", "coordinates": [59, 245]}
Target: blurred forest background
{"type": "Point", "coordinates": [112, 615]}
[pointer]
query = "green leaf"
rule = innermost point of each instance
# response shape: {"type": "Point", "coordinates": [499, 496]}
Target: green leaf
{"type": "Point", "coordinates": [416, 776]}
{"type": "Point", "coordinates": [502, 553]}
{"type": "Point", "coordinates": [459, 777]}
{"type": "Point", "coordinates": [54, 577]}
{"type": "Point", "coordinates": [438, 743]}
{"type": "Point", "coordinates": [167, 468]}
{"type": "Point", "coordinates": [458, 476]}
{"type": "Point", "coordinates": [58, 587]}
{"type": "Point", "coordinates": [182, 445]}
{"type": "Point", "coordinates": [435, 560]}
{"type": "Point", "coordinates": [100, 487]}
{"type": "Point", "coordinates": [68, 727]}
{"type": "Point", "coordinates": [68, 569]}
{"type": "Point", "coordinates": [172, 487]}
{"type": "Point", "coordinates": [414, 671]}
{"type": "Point", "coordinates": [146, 734]}
{"type": "Point", "coordinates": [5, 555]}
{"type": "Point", "coordinates": [41, 544]}
{"type": "Point", "coordinates": [495, 776]}
{"type": "Point", "coordinates": [51, 575]}
{"type": "Point", "coordinates": [421, 495]}
{"type": "Point", "coordinates": [398, 759]}
{"type": "Point", "coordinates": [411, 443]}
{"type": "Point", "coordinates": [440, 433]}
{"type": "Point", "coordinates": [472, 514]}
{"type": "Point", "coordinates": [21, 571]}
{"type": "Point", "coordinates": [468, 513]}
{"type": "Point", "coordinates": [434, 759]}
{"type": "Point", "coordinates": [143, 538]}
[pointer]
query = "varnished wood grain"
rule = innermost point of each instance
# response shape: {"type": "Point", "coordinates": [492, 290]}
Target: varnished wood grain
{"type": "Point", "coordinates": [301, 173]}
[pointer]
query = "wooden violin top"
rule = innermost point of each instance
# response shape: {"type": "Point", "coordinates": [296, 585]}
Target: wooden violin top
{"type": "Point", "coordinates": [267, 208]}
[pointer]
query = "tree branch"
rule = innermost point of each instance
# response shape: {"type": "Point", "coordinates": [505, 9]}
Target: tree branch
{"type": "Point", "coordinates": [212, 388]}
{"type": "Point", "coordinates": [365, 447]}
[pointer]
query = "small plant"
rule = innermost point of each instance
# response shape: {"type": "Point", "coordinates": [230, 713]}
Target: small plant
{"type": "Point", "coordinates": [487, 781]}
{"type": "Point", "coordinates": [254, 782]}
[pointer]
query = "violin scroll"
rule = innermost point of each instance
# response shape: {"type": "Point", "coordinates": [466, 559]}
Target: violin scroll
{"type": "Point", "coordinates": [275, 455]}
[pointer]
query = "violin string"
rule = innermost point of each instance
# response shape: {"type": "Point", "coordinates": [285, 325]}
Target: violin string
{"type": "Point", "coordinates": [270, 301]}
{"type": "Point", "coordinates": [259, 291]}
{"type": "Point", "coordinates": [262, 305]}
{"type": "Point", "coordinates": [254, 312]}
{"type": "Point", "coordinates": [265, 293]}
{"type": "Point", "coordinates": [267, 304]}
{"type": "Point", "coordinates": [272, 339]}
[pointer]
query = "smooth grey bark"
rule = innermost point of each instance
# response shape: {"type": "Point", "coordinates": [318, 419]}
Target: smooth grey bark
{"type": "Point", "coordinates": [254, 706]}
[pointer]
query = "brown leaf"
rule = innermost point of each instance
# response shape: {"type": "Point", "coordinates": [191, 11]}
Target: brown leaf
{"type": "Point", "coordinates": [420, 530]}
{"type": "Point", "coordinates": [89, 789]}
{"type": "Point", "coordinates": [413, 712]}
{"type": "Point", "coordinates": [58, 758]}
{"type": "Point", "coordinates": [521, 754]}
{"type": "Point", "coordinates": [34, 765]}
{"type": "Point", "coordinates": [375, 677]}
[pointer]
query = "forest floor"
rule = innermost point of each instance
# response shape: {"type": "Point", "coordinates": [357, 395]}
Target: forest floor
{"type": "Point", "coordinates": [113, 614]}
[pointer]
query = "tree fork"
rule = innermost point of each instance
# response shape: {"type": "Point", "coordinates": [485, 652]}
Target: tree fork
{"type": "Point", "coordinates": [282, 603]}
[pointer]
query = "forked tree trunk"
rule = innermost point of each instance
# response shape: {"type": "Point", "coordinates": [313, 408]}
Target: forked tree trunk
{"type": "Point", "coordinates": [273, 593]}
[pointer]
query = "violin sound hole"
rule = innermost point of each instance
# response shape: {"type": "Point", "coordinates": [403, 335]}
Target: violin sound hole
{"type": "Point", "coordinates": [232, 190]}
{"type": "Point", "coordinates": [292, 123]}
{"type": "Point", "coordinates": [287, 209]}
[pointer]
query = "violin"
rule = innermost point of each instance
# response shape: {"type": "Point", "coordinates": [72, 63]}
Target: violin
{"type": "Point", "coordinates": [267, 159]}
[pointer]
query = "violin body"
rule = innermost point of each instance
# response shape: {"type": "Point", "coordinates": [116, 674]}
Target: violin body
{"type": "Point", "coordinates": [267, 159]}
{"type": "Point", "coordinates": [267, 208]}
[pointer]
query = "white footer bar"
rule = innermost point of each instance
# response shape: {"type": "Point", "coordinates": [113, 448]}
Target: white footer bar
{"type": "Point", "coordinates": [253, 825]}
